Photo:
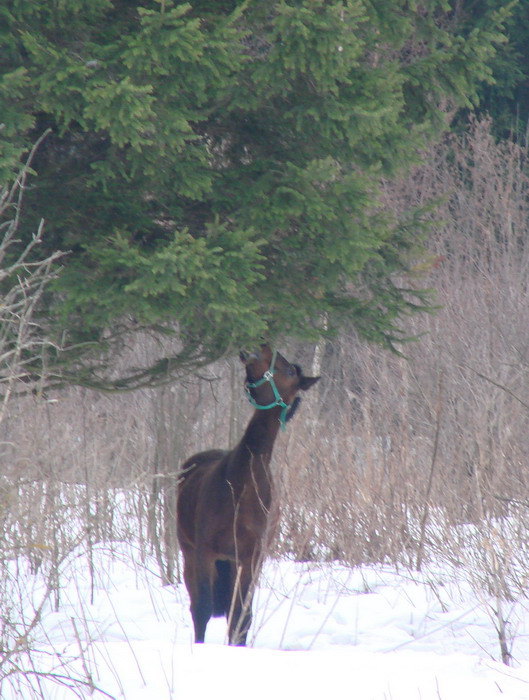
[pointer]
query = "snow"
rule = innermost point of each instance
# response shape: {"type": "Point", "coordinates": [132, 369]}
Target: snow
{"type": "Point", "coordinates": [321, 630]}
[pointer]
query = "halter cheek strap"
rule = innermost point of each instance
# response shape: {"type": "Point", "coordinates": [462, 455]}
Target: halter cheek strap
{"type": "Point", "coordinates": [268, 376]}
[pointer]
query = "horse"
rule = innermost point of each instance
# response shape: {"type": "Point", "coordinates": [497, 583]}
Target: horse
{"type": "Point", "coordinates": [226, 506]}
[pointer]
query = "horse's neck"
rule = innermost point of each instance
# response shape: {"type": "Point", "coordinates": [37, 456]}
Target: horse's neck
{"type": "Point", "coordinates": [251, 457]}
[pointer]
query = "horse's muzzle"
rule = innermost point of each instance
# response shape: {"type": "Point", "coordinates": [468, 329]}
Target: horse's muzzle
{"type": "Point", "coordinates": [247, 357]}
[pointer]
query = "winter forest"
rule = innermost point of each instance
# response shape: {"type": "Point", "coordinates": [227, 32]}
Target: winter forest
{"type": "Point", "coordinates": [346, 180]}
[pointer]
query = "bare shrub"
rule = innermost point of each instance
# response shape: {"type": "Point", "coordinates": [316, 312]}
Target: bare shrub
{"type": "Point", "coordinates": [23, 279]}
{"type": "Point", "coordinates": [396, 440]}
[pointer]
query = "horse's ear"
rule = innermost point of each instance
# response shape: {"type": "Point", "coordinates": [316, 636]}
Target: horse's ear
{"type": "Point", "coordinates": [306, 382]}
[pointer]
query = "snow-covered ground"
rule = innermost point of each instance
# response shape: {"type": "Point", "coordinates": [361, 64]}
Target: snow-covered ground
{"type": "Point", "coordinates": [320, 631]}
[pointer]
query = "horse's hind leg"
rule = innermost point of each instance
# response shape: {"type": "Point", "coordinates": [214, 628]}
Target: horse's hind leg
{"type": "Point", "coordinates": [198, 584]}
{"type": "Point", "coordinates": [202, 609]}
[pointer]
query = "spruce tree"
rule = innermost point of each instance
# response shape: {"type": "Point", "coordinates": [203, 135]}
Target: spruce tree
{"type": "Point", "coordinates": [212, 167]}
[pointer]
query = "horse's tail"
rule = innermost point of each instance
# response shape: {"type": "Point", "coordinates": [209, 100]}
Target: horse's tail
{"type": "Point", "coordinates": [222, 589]}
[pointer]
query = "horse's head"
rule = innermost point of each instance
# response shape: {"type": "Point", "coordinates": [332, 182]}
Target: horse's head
{"type": "Point", "coordinates": [271, 380]}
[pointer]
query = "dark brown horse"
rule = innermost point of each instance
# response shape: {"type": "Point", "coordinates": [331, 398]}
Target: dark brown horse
{"type": "Point", "coordinates": [226, 506]}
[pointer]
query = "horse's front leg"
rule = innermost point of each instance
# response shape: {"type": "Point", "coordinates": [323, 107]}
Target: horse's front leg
{"type": "Point", "coordinates": [244, 577]}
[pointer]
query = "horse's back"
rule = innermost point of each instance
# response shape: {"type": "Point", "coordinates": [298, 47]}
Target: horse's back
{"type": "Point", "coordinates": [191, 477]}
{"type": "Point", "coordinates": [200, 461]}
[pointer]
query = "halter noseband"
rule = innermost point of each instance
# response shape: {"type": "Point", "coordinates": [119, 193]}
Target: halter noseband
{"type": "Point", "coordinates": [268, 376]}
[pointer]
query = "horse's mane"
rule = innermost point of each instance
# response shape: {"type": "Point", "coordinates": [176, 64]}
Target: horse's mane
{"type": "Point", "coordinates": [293, 408]}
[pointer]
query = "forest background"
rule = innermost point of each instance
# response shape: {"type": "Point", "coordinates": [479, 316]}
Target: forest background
{"type": "Point", "coordinates": [346, 179]}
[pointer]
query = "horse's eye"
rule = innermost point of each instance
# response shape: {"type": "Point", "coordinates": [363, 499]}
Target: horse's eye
{"type": "Point", "coordinates": [292, 371]}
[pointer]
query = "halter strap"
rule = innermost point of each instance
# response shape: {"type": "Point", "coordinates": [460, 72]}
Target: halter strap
{"type": "Point", "coordinates": [268, 376]}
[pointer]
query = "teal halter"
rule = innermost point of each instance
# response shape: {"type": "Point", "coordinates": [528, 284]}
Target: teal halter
{"type": "Point", "coordinates": [268, 376]}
